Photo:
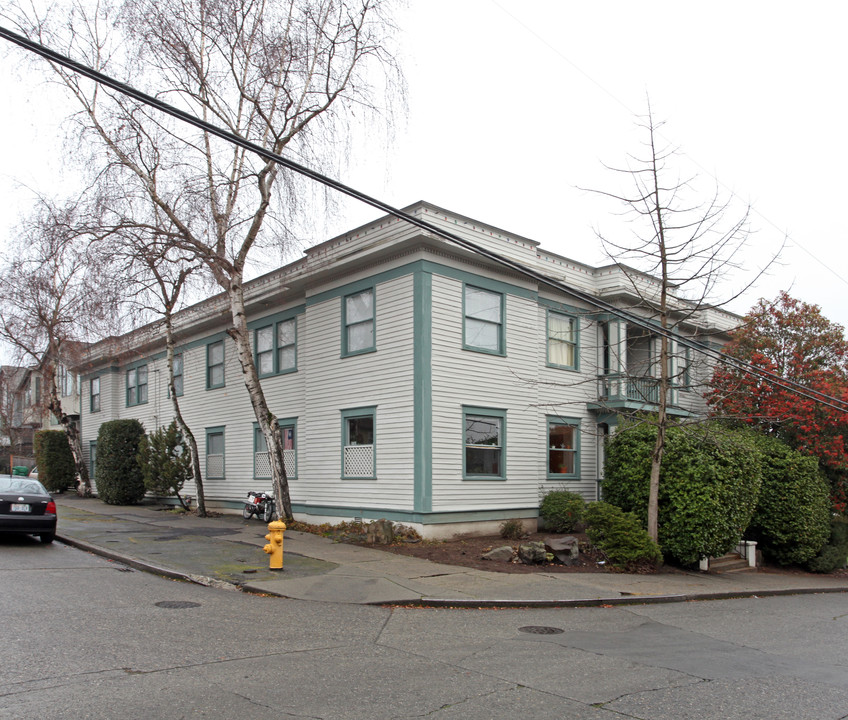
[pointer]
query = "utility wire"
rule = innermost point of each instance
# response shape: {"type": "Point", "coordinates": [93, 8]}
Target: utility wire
{"type": "Point", "coordinates": [630, 318]}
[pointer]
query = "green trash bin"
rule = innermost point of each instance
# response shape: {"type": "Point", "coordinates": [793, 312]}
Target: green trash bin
{"type": "Point", "coordinates": [20, 470]}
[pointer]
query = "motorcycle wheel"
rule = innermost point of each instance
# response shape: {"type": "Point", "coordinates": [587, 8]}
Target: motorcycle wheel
{"type": "Point", "coordinates": [247, 511]}
{"type": "Point", "coordinates": [268, 512]}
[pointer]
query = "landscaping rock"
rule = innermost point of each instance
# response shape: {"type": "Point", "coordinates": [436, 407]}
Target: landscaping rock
{"type": "Point", "coordinates": [532, 553]}
{"type": "Point", "coordinates": [501, 554]}
{"type": "Point", "coordinates": [380, 532]}
{"type": "Point", "coordinates": [566, 549]}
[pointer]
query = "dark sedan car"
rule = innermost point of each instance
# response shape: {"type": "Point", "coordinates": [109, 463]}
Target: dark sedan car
{"type": "Point", "coordinates": [26, 507]}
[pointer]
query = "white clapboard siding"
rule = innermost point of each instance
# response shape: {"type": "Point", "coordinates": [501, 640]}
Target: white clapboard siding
{"type": "Point", "coordinates": [462, 377]}
{"type": "Point", "coordinates": [383, 379]}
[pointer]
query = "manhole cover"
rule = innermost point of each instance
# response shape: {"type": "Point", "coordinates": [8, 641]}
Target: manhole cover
{"type": "Point", "coordinates": [177, 604]}
{"type": "Point", "coordinates": [540, 630]}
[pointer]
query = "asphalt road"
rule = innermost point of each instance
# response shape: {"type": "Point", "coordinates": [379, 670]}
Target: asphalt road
{"type": "Point", "coordinates": [87, 638]}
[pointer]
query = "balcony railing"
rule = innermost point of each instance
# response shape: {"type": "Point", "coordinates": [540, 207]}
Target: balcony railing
{"type": "Point", "coordinates": [619, 387]}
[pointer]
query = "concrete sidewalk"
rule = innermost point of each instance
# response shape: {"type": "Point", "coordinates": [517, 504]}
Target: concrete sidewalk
{"type": "Point", "coordinates": [227, 552]}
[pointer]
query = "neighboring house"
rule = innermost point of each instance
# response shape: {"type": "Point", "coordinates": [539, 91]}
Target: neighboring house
{"type": "Point", "coordinates": [414, 380]}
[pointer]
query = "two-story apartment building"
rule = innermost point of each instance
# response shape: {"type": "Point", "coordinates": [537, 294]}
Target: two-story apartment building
{"type": "Point", "coordinates": [414, 379]}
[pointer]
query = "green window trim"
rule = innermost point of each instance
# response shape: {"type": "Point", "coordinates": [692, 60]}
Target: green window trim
{"type": "Point", "coordinates": [359, 443]}
{"type": "Point", "coordinates": [216, 376]}
{"type": "Point", "coordinates": [216, 441]}
{"type": "Point", "coordinates": [562, 341]}
{"type": "Point", "coordinates": [483, 320]}
{"type": "Point", "coordinates": [92, 459]}
{"type": "Point", "coordinates": [481, 450]}
{"type": "Point", "coordinates": [275, 348]}
{"type": "Point", "coordinates": [94, 395]}
{"type": "Point", "coordinates": [562, 436]}
{"type": "Point", "coordinates": [288, 426]}
{"type": "Point", "coordinates": [136, 385]}
{"type": "Point", "coordinates": [179, 369]}
{"type": "Point", "coordinates": [359, 322]}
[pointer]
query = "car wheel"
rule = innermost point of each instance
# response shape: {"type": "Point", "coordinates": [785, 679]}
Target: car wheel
{"type": "Point", "coordinates": [47, 538]}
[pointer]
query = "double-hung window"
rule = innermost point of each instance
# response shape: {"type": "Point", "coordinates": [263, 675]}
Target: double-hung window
{"type": "Point", "coordinates": [94, 393]}
{"type": "Point", "coordinates": [178, 374]}
{"type": "Point", "coordinates": [359, 458]}
{"type": "Point", "coordinates": [137, 385]}
{"type": "Point", "coordinates": [215, 365]}
{"type": "Point", "coordinates": [358, 323]}
{"type": "Point", "coordinates": [483, 329]}
{"type": "Point", "coordinates": [261, 460]}
{"type": "Point", "coordinates": [563, 448]}
{"type": "Point", "coordinates": [485, 443]}
{"type": "Point", "coordinates": [562, 341]}
{"type": "Point", "coordinates": [215, 453]}
{"type": "Point", "coordinates": [276, 348]}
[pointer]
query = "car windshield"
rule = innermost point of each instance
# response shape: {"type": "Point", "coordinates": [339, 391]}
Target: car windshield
{"type": "Point", "coordinates": [21, 485]}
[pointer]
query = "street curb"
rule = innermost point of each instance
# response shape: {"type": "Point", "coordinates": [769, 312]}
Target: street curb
{"type": "Point", "coordinates": [426, 602]}
{"type": "Point", "coordinates": [145, 566]}
{"type": "Point", "coordinates": [626, 600]}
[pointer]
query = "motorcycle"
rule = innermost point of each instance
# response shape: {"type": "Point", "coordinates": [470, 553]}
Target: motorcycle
{"type": "Point", "coordinates": [259, 504]}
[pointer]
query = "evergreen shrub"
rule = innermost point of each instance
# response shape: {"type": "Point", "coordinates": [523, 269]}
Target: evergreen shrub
{"type": "Point", "coordinates": [620, 536]}
{"type": "Point", "coordinates": [834, 555]}
{"type": "Point", "coordinates": [709, 484]}
{"type": "Point", "coordinates": [561, 510]}
{"type": "Point", "coordinates": [792, 520]}
{"type": "Point", "coordinates": [118, 475]}
{"type": "Point", "coordinates": [165, 461]}
{"type": "Point", "coordinates": [56, 468]}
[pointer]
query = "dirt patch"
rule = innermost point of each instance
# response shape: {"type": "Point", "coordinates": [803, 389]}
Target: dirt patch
{"type": "Point", "coordinates": [469, 551]}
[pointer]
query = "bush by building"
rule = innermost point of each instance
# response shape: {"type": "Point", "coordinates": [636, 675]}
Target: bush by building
{"type": "Point", "coordinates": [709, 485]}
{"type": "Point", "coordinates": [165, 462]}
{"type": "Point", "coordinates": [55, 462]}
{"type": "Point", "coordinates": [561, 510]}
{"type": "Point", "coordinates": [118, 475]}
{"type": "Point", "coordinates": [620, 536]}
{"type": "Point", "coordinates": [834, 555]}
{"type": "Point", "coordinates": [792, 521]}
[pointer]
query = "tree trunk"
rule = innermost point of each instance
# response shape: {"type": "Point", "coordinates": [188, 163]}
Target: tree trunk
{"type": "Point", "coordinates": [264, 417]}
{"type": "Point", "coordinates": [188, 435]}
{"type": "Point", "coordinates": [71, 431]}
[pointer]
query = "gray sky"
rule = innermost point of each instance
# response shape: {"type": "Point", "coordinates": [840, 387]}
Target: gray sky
{"type": "Point", "coordinates": [515, 104]}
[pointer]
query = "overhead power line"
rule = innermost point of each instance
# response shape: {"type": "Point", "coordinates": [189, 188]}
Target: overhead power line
{"type": "Point", "coordinates": [601, 305]}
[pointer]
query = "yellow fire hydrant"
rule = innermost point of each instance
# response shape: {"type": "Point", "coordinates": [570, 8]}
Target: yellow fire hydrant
{"type": "Point", "coordinates": [275, 544]}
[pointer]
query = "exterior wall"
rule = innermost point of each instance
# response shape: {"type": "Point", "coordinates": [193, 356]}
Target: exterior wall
{"type": "Point", "coordinates": [417, 380]}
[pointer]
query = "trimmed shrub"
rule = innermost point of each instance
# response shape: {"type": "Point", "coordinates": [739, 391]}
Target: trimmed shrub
{"type": "Point", "coordinates": [792, 520]}
{"type": "Point", "coordinates": [709, 484]}
{"type": "Point", "coordinates": [561, 510]}
{"type": "Point", "coordinates": [834, 555]}
{"type": "Point", "coordinates": [620, 536]}
{"type": "Point", "coordinates": [56, 468]}
{"type": "Point", "coordinates": [165, 461]}
{"type": "Point", "coordinates": [118, 475]}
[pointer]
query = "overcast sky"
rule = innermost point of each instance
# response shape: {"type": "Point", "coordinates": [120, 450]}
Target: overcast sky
{"type": "Point", "coordinates": [516, 104]}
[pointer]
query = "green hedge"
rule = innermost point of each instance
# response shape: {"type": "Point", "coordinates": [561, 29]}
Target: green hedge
{"type": "Point", "coordinates": [792, 520]}
{"type": "Point", "coordinates": [56, 468]}
{"type": "Point", "coordinates": [620, 536]}
{"type": "Point", "coordinates": [561, 510]}
{"type": "Point", "coordinates": [834, 555]}
{"type": "Point", "coordinates": [709, 485]}
{"type": "Point", "coordinates": [118, 475]}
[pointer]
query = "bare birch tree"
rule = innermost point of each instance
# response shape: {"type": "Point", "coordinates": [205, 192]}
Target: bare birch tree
{"type": "Point", "coordinates": [690, 247]}
{"type": "Point", "coordinates": [162, 274]}
{"type": "Point", "coordinates": [287, 75]}
{"type": "Point", "coordinates": [57, 293]}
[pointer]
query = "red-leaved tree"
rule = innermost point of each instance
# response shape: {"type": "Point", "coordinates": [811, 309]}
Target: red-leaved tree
{"type": "Point", "coordinates": [792, 340]}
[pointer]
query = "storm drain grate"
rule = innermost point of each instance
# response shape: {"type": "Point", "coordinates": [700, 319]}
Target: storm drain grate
{"type": "Point", "coordinates": [177, 604]}
{"type": "Point", "coordinates": [540, 630]}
